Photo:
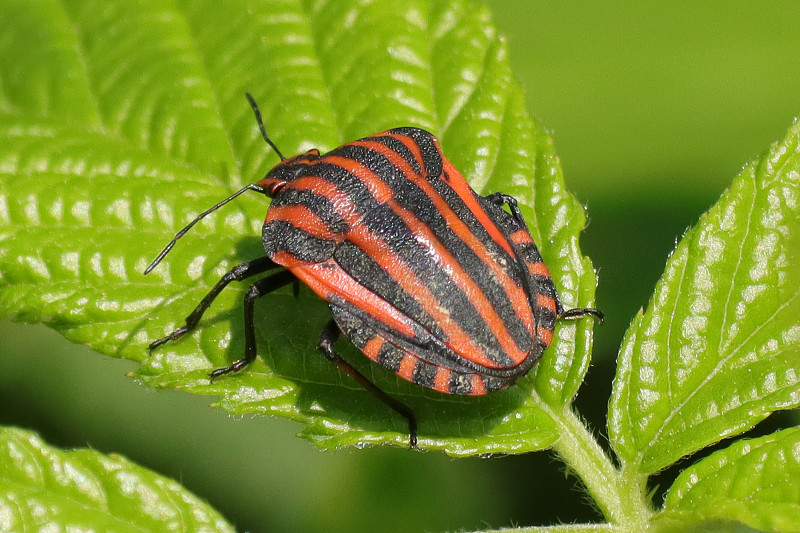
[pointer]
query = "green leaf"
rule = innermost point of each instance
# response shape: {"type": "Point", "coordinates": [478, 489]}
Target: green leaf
{"type": "Point", "coordinates": [42, 488]}
{"type": "Point", "coordinates": [755, 482]}
{"type": "Point", "coordinates": [119, 123]}
{"type": "Point", "coordinates": [718, 348]}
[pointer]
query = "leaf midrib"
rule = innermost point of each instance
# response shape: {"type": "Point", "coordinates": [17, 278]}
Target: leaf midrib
{"type": "Point", "coordinates": [724, 360]}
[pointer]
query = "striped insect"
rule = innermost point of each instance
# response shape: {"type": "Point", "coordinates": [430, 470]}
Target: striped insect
{"type": "Point", "coordinates": [427, 278]}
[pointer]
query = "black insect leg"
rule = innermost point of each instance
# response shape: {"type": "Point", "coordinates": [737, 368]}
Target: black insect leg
{"type": "Point", "coordinates": [296, 288]}
{"type": "Point", "coordinates": [500, 199]}
{"type": "Point", "coordinates": [257, 290]}
{"type": "Point", "coordinates": [580, 312]}
{"type": "Point", "coordinates": [326, 340]}
{"type": "Point", "coordinates": [237, 273]}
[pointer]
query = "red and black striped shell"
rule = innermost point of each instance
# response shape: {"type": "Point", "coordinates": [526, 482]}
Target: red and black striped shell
{"type": "Point", "coordinates": [423, 275]}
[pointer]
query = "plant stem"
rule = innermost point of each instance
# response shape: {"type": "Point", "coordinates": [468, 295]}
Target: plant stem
{"type": "Point", "coordinates": [620, 496]}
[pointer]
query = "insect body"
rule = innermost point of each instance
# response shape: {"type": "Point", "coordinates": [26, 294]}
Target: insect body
{"type": "Point", "coordinates": [427, 278]}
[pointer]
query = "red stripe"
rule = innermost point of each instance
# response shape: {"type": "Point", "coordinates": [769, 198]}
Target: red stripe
{"type": "Point", "coordinates": [302, 218]}
{"type": "Point", "coordinates": [441, 382]}
{"type": "Point", "coordinates": [521, 236]}
{"type": "Point", "coordinates": [538, 269]}
{"type": "Point", "coordinates": [457, 339]}
{"type": "Point", "coordinates": [456, 182]}
{"type": "Point", "coordinates": [324, 281]}
{"type": "Point", "coordinates": [319, 186]}
{"type": "Point", "coordinates": [382, 192]}
{"type": "Point", "coordinates": [516, 295]}
{"type": "Point", "coordinates": [379, 251]}
{"type": "Point", "coordinates": [545, 334]}
{"type": "Point", "coordinates": [546, 302]}
{"type": "Point", "coordinates": [467, 285]}
{"type": "Point", "coordinates": [327, 279]}
{"type": "Point", "coordinates": [406, 370]}
{"type": "Point", "coordinates": [373, 347]}
{"type": "Point", "coordinates": [478, 386]}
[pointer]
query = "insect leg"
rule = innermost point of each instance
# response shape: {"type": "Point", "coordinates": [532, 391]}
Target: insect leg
{"type": "Point", "coordinates": [237, 273]}
{"type": "Point", "coordinates": [500, 199]}
{"type": "Point", "coordinates": [580, 312]}
{"type": "Point", "coordinates": [296, 288]}
{"type": "Point", "coordinates": [256, 290]}
{"type": "Point", "coordinates": [326, 340]}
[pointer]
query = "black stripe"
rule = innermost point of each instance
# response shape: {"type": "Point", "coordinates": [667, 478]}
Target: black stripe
{"type": "Point", "coordinates": [381, 221]}
{"type": "Point", "coordinates": [385, 223]}
{"type": "Point", "coordinates": [353, 328]}
{"type": "Point", "coordinates": [431, 157]}
{"type": "Point", "coordinates": [424, 374]}
{"type": "Point", "coordinates": [362, 267]}
{"type": "Point", "coordinates": [290, 169]}
{"type": "Point", "coordinates": [400, 148]}
{"type": "Point", "coordinates": [360, 328]}
{"type": "Point", "coordinates": [348, 185]}
{"type": "Point", "coordinates": [416, 201]}
{"type": "Point", "coordinates": [500, 216]}
{"type": "Point", "coordinates": [544, 285]}
{"type": "Point", "coordinates": [460, 383]}
{"type": "Point", "coordinates": [390, 357]}
{"type": "Point", "coordinates": [493, 384]}
{"type": "Point", "coordinates": [529, 253]}
{"type": "Point", "coordinates": [279, 235]}
{"type": "Point", "coordinates": [545, 318]}
{"type": "Point", "coordinates": [316, 203]}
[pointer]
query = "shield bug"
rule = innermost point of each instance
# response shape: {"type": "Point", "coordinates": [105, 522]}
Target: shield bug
{"type": "Point", "coordinates": [442, 286]}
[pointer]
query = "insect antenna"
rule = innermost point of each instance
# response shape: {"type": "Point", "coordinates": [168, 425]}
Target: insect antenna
{"type": "Point", "coordinates": [198, 218]}
{"type": "Point", "coordinates": [251, 187]}
{"type": "Point", "coordinates": [257, 112]}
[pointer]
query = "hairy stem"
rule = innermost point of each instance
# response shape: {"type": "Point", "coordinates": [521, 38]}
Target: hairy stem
{"type": "Point", "coordinates": [620, 496]}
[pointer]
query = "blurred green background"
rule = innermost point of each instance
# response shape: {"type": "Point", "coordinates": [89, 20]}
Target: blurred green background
{"type": "Point", "coordinates": [654, 109]}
